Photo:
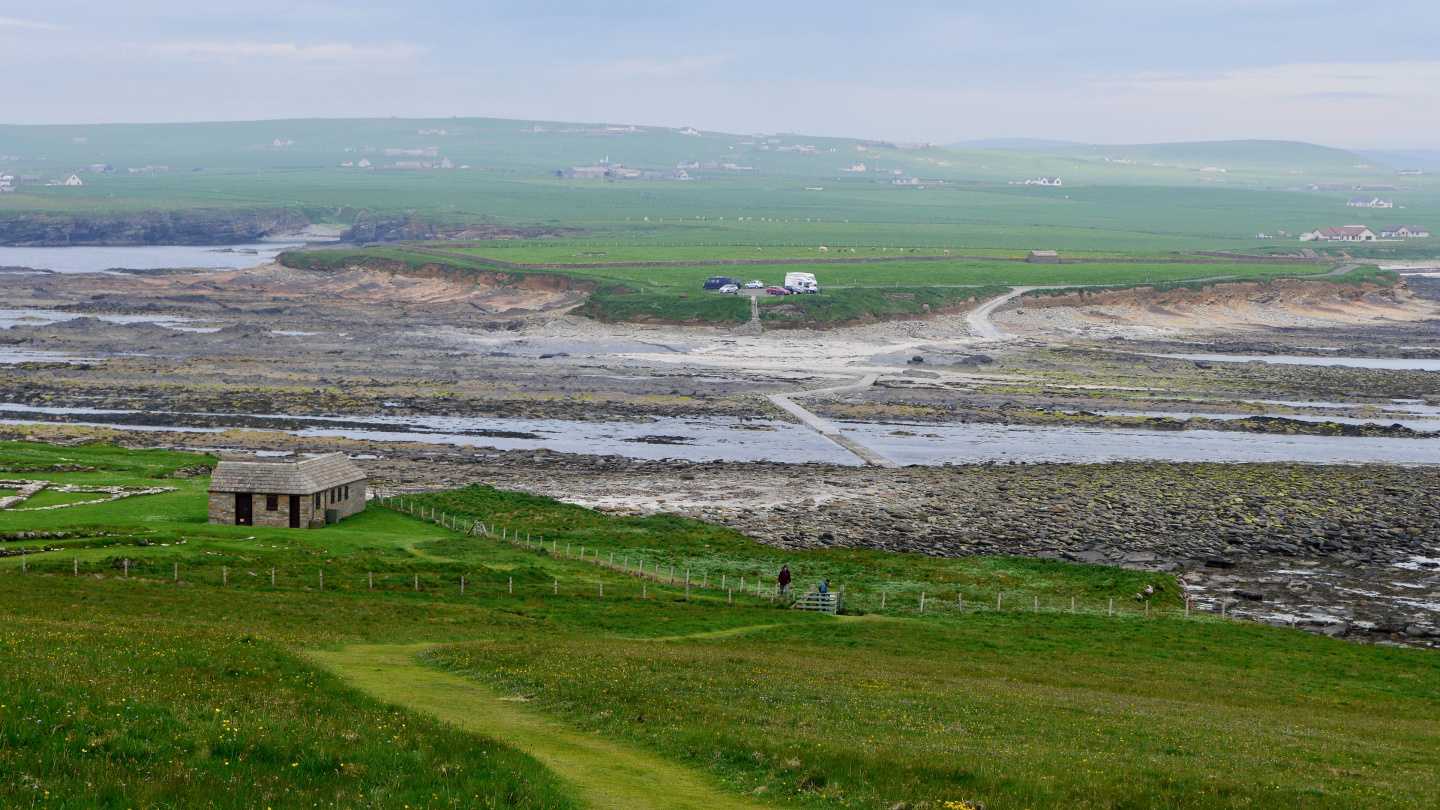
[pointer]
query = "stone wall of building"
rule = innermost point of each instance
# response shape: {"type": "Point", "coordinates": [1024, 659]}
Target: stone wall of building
{"type": "Point", "coordinates": [222, 506]}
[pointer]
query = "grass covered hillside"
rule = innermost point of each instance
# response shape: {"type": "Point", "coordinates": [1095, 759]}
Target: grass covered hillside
{"type": "Point", "coordinates": [394, 661]}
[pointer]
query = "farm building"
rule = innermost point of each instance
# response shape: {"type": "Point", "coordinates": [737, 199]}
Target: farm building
{"type": "Point", "coordinates": [1369, 202]}
{"type": "Point", "coordinates": [1345, 233]}
{"type": "Point", "coordinates": [71, 179]}
{"type": "Point", "coordinates": [1405, 232]}
{"type": "Point", "coordinates": [298, 494]}
{"type": "Point", "coordinates": [905, 181]}
{"type": "Point", "coordinates": [1043, 257]}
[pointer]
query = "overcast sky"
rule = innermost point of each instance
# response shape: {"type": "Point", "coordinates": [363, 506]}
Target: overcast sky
{"type": "Point", "coordinates": [1349, 74]}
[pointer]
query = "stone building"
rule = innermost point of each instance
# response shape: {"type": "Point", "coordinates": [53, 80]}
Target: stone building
{"type": "Point", "coordinates": [298, 494]}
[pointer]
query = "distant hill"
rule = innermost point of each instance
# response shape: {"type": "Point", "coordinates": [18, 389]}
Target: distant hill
{"type": "Point", "coordinates": [1250, 155]}
{"type": "Point", "coordinates": [1014, 143]}
{"type": "Point", "coordinates": [1426, 160]}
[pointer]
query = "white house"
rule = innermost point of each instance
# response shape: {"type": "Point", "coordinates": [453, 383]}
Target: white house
{"type": "Point", "coordinates": [858, 167]}
{"type": "Point", "coordinates": [1369, 202]}
{"type": "Point", "coordinates": [363, 164]}
{"type": "Point", "coordinates": [71, 179]}
{"type": "Point", "coordinates": [688, 164]}
{"type": "Point", "coordinates": [1405, 232]}
{"type": "Point", "coordinates": [905, 181]}
{"type": "Point", "coordinates": [1345, 233]}
{"type": "Point", "coordinates": [689, 131]}
{"type": "Point", "coordinates": [1048, 181]}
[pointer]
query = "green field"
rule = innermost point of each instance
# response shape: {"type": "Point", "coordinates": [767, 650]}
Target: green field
{"type": "Point", "coordinates": [1160, 201]}
{"type": "Point", "coordinates": [213, 686]}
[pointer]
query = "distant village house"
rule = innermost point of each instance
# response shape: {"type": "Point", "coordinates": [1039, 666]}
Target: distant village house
{"type": "Point", "coordinates": [1345, 233]}
{"type": "Point", "coordinates": [1369, 202]}
{"type": "Point", "coordinates": [1405, 232]}
{"type": "Point", "coordinates": [297, 494]}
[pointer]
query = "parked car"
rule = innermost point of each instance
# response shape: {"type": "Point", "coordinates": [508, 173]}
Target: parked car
{"type": "Point", "coordinates": [777, 291]}
{"type": "Point", "coordinates": [730, 288]}
{"type": "Point", "coordinates": [755, 285]}
{"type": "Point", "coordinates": [716, 282]}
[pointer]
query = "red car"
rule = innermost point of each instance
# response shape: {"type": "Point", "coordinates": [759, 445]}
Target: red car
{"type": "Point", "coordinates": [777, 291]}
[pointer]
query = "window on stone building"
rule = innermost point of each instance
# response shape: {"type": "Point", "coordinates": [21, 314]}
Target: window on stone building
{"type": "Point", "coordinates": [272, 502]}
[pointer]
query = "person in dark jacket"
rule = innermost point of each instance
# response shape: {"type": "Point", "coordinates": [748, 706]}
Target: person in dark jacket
{"type": "Point", "coordinates": [825, 586]}
{"type": "Point", "coordinates": [784, 580]}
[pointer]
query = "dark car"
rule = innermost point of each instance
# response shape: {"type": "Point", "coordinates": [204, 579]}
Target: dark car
{"type": "Point", "coordinates": [716, 282]}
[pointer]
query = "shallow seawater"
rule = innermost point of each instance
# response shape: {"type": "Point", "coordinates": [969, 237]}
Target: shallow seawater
{"type": "Point", "coordinates": [42, 317]}
{"type": "Point", "coordinates": [701, 440]}
{"type": "Point", "coordinates": [1386, 363]}
{"type": "Point", "coordinates": [142, 257]}
{"type": "Point", "coordinates": [10, 356]}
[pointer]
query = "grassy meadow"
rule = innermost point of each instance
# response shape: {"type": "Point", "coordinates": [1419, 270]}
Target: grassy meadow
{"type": "Point", "coordinates": [213, 686]}
{"type": "Point", "coordinates": [1154, 198]}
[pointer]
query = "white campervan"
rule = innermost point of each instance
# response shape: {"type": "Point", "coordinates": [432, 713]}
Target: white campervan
{"type": "Point", "coordinates": [801, 283]}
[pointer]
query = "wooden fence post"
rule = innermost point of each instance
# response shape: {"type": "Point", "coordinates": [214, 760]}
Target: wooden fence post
{"type": "Point", "coordinates": [1111, 610]}
{"type": "Point", "coordinates": [272, 576]}
{"type": "Point", "coordinates": [602, 590]}
{"type": "Point", "coordinates": [322, 579]}
{"type": "Point", "coordinates": [370, 575]}
{"type": "Point", "coordinates": [1037, 605]}
{"type": "Point", "coordinates": [417, 582]}
{"type": "Point", "coordinates": [1072, 604]}
{"type": "Point", "coordinates": [997, 599]}
{"type": "Point", "coordinates": [510, 586]}
{"type": "Point", "coordinates": [730, 597]}
{"type": "Point", "coordinates": [77, 567]}
{"type": "Point", "coordinates": [557, 587]}
{"type": "Point", "coordinates": [1147, 608]}
{"type": "Point", "coordinates": [922, 601]}
{"type": "Point", "coordinates": [462, 586]}
{"type": "Point", "coordinates": [882, 600]}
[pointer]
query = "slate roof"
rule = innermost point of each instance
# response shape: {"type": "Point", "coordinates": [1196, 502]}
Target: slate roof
{"type": "Point", "coordinates": [285, 477]}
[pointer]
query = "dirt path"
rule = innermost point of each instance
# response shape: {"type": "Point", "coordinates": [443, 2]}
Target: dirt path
{"type": "Point", "coordinates": [606, 774]}
{"type": "Point", "coordinates": [979, 320]}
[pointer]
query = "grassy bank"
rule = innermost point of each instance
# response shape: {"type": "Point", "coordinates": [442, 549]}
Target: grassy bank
{"type": "Point", "coordinates": [1010, 708]}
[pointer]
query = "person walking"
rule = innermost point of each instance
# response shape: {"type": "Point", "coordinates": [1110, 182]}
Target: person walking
{"type": "Point", "coordinates": [784, 580]}
{"type": "Point", "coordinates": [825, 586]}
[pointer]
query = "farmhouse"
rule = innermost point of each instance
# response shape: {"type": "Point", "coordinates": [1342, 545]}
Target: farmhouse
{"type": "Point", "coordinates": [1369, 202]}
{"type": "Point", "coordinates": [858, 167]}
{"type": "Point", "coordinates": [1043, 257]}
{"type": "Point", "coordinates": [1345, 233]}
{"type": "Point", "coordinates": [905, 181]}
{"type": "Point", "coordinates": [70, 179]}
{"type": "Point", "coordinates": [593, 171]}
{"type": "Point", "coordinates": [298, 494]}
{"type": "Point", "coordinates": [1405, 232]}
{"type": "Point", "coordinates": [1040, 181]}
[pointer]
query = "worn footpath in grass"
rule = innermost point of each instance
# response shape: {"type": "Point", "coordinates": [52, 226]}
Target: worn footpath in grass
{"type": "Point", "coordinates": [151, 714]}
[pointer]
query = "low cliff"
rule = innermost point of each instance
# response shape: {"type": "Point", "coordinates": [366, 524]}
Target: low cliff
{"type": "Point", "coordinates": [148, 228]}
